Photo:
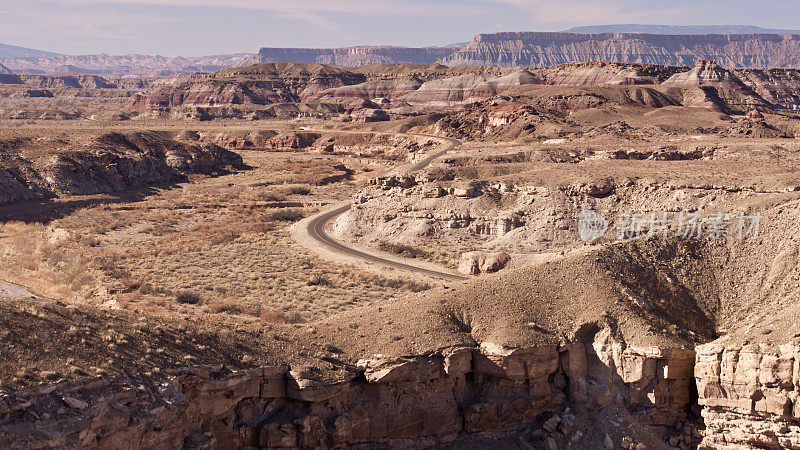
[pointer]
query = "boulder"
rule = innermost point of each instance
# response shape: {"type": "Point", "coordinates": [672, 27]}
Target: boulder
{"type": "Point", "coordinates": [475, 263]}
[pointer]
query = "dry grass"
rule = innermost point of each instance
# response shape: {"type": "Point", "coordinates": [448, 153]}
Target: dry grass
{"type": "Point", "coordinates": [213, 246]}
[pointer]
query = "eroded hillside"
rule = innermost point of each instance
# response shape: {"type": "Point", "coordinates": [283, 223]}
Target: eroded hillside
{"type": "Point", "coordinates": [294, 255]}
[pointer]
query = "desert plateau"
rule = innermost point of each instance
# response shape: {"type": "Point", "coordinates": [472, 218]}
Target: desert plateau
{"type": "Point", "coordinates": [587, 239]}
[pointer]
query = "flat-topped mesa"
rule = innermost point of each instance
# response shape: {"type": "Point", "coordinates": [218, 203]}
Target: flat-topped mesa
{"type": "Point", "coordinates": [546, 49]}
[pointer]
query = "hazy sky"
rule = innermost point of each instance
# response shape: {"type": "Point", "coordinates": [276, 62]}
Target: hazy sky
{"type": "Point", "coordinates": [204, 27]}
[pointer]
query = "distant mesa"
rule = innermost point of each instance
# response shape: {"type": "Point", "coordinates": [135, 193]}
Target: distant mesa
{"type": "Point", "coordinates": [356, 56]}
{"type": "Point", "coordinates": [542, 49]}
{"type": "Point", "coordinates": [677, 30]}
{"type": "Point", "coordinates": [732, 46]}
{"type": "Point", "coordinates": [749, 47]}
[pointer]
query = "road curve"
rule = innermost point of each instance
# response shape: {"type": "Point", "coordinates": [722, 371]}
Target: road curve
{"type": "Point", "coordinates": [14, 290]}
{"type": "Point", "coordinates": [316, 227]}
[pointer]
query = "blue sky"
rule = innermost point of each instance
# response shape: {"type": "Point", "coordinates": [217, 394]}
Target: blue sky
{"type": "Point", "coordinates": [204, 27]}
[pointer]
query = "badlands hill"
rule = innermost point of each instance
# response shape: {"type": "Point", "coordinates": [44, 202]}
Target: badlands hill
{"type": "Point", "coordinates": [546, 49]}
{"type": "Point", "coordinates": [331, 89]}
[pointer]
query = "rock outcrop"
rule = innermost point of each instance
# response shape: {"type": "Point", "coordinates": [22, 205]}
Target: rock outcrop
{"type": "Point", "coordinates": [466, 88]}
{"type": "Point", "coordinates": [475, 263]}
{"type": "Point", "coordinates": [109, 163]}
{"type": "Point", "coordinates": [750, 395]}
{"type": "Point", "coordinates": [260, 84]}
{"type": "Point", "coordinates": [414, 402]}
{"type": "Point", "coordinates": [546, 49]}
{"type": "Point", "coordinates": [727, 87]}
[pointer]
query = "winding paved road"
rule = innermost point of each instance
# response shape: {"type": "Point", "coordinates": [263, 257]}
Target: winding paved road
{"type": "Point", "coordinates": [316, 227]}
{"type": "Point", "coordinates": [14, 290]}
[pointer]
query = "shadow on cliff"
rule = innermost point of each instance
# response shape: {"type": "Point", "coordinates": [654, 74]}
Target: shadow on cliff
{"type": "Point", "coordinates": [46, 210]}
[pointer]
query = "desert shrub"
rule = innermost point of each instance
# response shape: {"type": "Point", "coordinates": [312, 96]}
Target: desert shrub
{"type": "Point", "coordinates": [275, 317]}
{"type": "Point", "coordinates": [262, 227]}
{"type": "Point", "coordinates": [224, 306]}
{"type": "Point", "coordinates": [188, 298]}
{"type": "Point", "coordinates": [400, 283]}
{"type": "Point", "coordinates": [403, 249]}
{"type": "Point", "coordinates": [415, 286]}
{"type": "Point", "coordinates": [271, 197]}
{"type": "Point", "coordinates": [299, 190]}
{"type": "Point", "coordinates": [319, 279]}
{"type": "Point", "coordinates": [286, 215]}
{"type": "Point", "coordinates": [224, 237]}
{"type": "Point", "coordinates": [221, 290]}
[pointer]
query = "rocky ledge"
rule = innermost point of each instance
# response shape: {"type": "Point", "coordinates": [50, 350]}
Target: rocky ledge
{"type": "Point", "coordinates": [750, 395]}
{"type": "Point", "coordinates": [33, 169]}
{"type": "Point", "coordinates": [419, 401]}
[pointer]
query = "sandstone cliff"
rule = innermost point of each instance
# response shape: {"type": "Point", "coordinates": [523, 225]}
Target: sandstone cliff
{"type": "Point", "coordinates": [411, 402]}
{"type": "Point", "coordinates": [750, 395]}
{"type": "Point", "coordinates": [547, 49]}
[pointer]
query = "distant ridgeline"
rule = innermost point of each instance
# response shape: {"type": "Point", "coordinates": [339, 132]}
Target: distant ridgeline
{"type": "Point", "coordinates": [547, 49]}
{"type": "Point", "coordinates": [356, 56]}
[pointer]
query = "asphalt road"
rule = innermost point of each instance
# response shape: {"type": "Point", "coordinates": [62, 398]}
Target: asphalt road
{"type": "Point", "coordinates": [14, 290]}
{"type": "Point", "coordinates": [316, 228]}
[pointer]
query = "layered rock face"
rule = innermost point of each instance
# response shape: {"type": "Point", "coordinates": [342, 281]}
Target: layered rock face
{"type": "Point", "coordinates": [733, 93]}
{"type": "Point", "coordinates": [413, 402]}
{"type": "Point", "coordinates": [777, 86]}
{"type": "Point", "coordinates": [547, 49]}
{"type": "Point", "coordinates": [5, 70]}
{"type": "Point", "coordinates": [467, 88]}
{"type": "Point", "coordinates": [355, 56]}
{"type": "Point", "coordinates": [109, 163]}
{"type": "Point", "coordinates": [750, 395]}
